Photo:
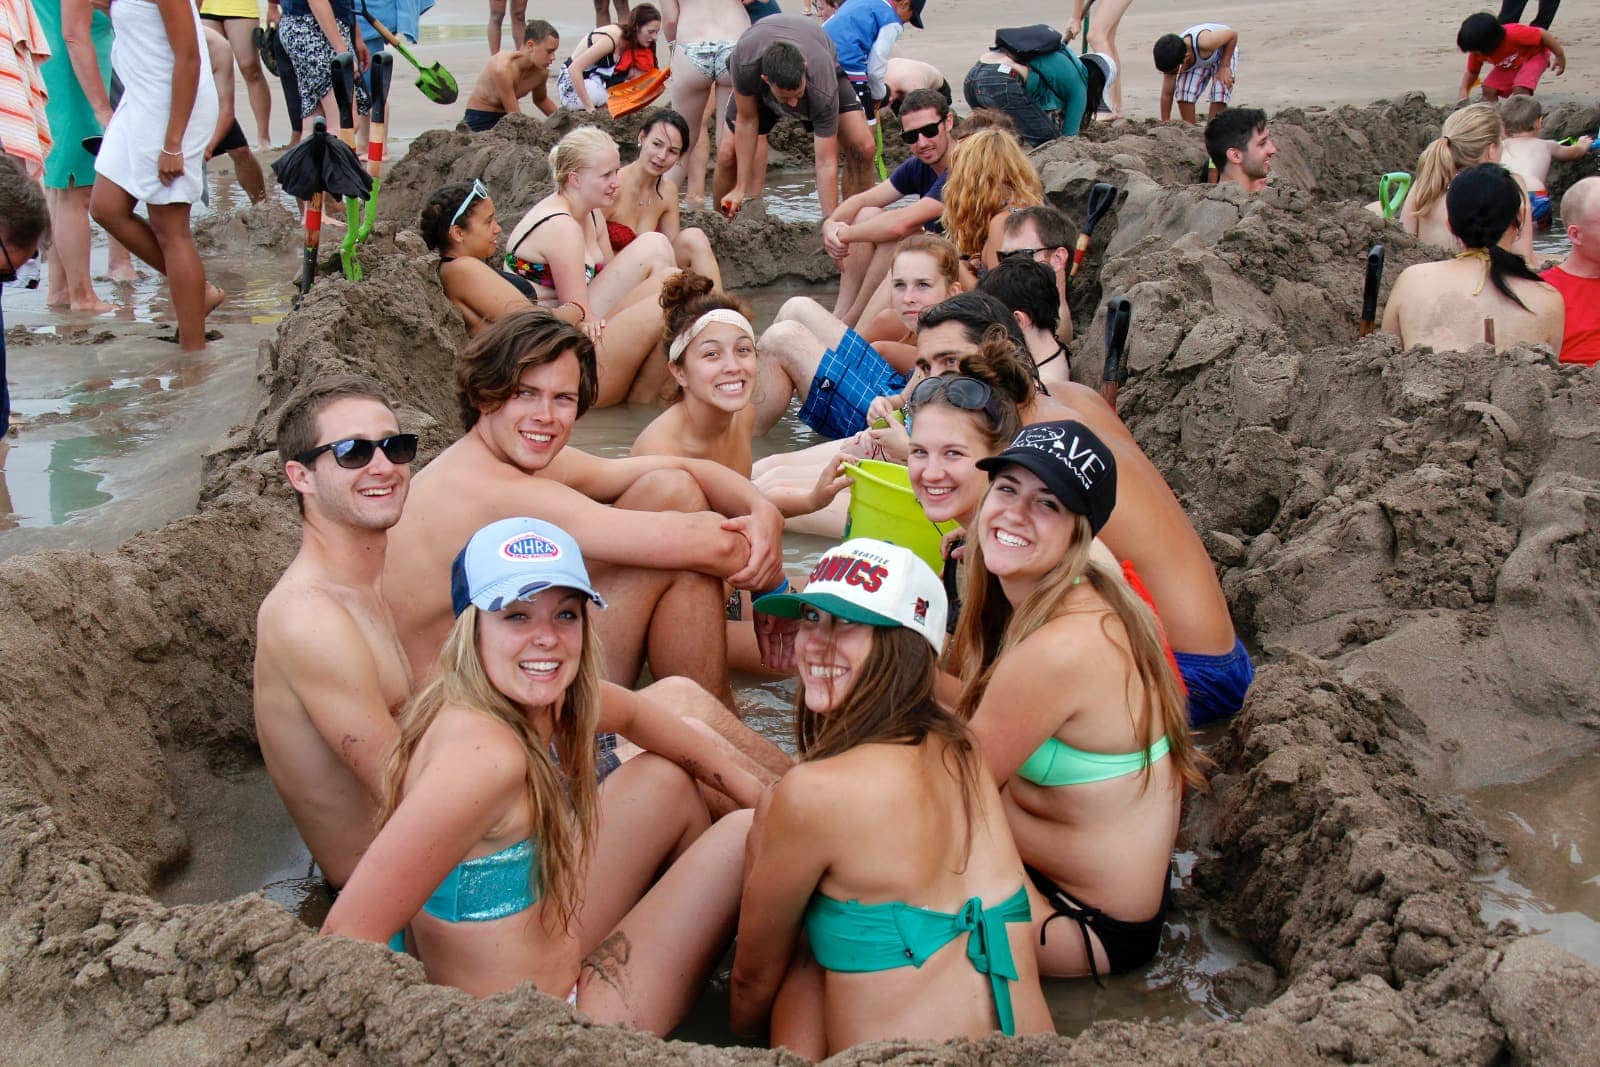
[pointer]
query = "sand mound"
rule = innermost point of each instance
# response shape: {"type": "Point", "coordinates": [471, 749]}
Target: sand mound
{"type": "Point", "coordinates": [1409, 536]}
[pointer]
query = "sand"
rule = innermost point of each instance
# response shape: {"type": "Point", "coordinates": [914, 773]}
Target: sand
{"type": "Point", "coordinates": [1408, 537]}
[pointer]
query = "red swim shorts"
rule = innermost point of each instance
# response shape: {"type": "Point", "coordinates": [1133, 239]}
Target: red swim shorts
{"type": "Point", "coordinates": [1526, 76]}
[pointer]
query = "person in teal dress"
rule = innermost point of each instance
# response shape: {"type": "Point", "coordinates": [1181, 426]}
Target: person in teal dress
{"type": "Point", "coordinates": [70, 25]}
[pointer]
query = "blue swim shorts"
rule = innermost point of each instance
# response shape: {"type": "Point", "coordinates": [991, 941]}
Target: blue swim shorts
{"type": "Point", "coordinates": [1217, 684]}
{"type": "Point", "coordinates": [849, 378]}
{"type": "Point", "coordinates": [1539, 207]}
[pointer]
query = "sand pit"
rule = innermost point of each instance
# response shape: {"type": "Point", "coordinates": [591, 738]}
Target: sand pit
{"type": "Point", "coordinates": [1409, 538]}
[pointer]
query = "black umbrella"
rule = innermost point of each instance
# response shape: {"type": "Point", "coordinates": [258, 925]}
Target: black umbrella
{"type": "Point", "coordinates": [320, 164]}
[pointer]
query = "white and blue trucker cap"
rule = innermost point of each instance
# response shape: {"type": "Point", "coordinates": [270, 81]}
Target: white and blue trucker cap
{"type": "Point", "coordinates": [514, 559]}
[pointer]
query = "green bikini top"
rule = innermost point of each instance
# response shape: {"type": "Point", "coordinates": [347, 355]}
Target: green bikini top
{"type": "Point", "coordinates": [1057, 763]}
{"type": "Point", "coordinates": [853, 938]}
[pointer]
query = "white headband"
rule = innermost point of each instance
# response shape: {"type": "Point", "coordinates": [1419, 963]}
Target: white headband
{"type": "Point", "coordinates": [726, 316]}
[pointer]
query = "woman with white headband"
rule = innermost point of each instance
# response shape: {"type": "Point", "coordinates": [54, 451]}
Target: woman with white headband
{"type": "Point", "coordinates": [711, 355]}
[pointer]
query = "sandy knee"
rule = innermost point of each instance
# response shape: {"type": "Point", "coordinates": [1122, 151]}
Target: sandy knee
{"type": "Point", "coordinates": [664, 490]}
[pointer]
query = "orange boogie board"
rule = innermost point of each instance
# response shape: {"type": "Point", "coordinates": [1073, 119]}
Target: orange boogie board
{"type": "Point", "coordinates": [635, 93]}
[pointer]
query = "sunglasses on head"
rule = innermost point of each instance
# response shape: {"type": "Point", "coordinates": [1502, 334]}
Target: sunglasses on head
{"type": "Point", "coordinates": [930, 131]}
{"type": "Point", "coordinates": [479, 191]}
{"type": "Point", "coordinates": [1028, 252]}
{"type": "Point", "coordinates": [968, 394]}
{"type": "Point", "coordinates": [353, 453]}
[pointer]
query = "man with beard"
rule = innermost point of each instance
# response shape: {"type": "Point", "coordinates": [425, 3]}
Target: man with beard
{"type": "Point", "coordinates": [1240, 147]}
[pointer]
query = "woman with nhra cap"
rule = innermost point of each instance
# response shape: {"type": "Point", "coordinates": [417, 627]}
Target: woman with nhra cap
{"type": "Point", "coordinates": [497, 849]}
{"type": "Point", "coordinates": [1074, 703]}
{"type": "Point", "coordinates": [887, 845]}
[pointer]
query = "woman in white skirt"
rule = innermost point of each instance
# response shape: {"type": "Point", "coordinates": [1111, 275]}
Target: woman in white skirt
{"type": "Point", "coordinates": [155, 149]}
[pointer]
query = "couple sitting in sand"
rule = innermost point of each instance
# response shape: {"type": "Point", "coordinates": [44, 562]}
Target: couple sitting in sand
{"type": "Point", "coordinates": [356, 623]}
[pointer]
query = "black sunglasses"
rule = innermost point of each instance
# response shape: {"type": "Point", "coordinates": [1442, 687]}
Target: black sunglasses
{"type": "Point", "coordinates": [1029, 252]}
{"type": "Point", "coordinates": [968, 394]}
{"type": "Point", "coordinates": [353, 453]}
{"type": "Point", "coordinates": [930, 131]}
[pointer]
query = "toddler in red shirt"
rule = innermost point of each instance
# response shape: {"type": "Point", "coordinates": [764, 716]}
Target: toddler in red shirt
{"type": "Point", "coordinates": [1519, 55]}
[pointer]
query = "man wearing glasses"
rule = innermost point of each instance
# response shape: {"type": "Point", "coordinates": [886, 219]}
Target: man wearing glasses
{"type": "Point", "coordinates": [330, 672]}
{"type": "Point", "coordinates": [23, 223]}
{"type": "Point", "coordinates": [1043, 234]}
{"type": "Point", "coordinates": [861, 234]}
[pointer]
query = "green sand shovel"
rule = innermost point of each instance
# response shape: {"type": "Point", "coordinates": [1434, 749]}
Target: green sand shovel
{"type": "Point", "coordinates": [344, 93]}
{"type": "Point", "coordinates": [436, 83]}
{"type": "Point", "coordinates": [382, 71]}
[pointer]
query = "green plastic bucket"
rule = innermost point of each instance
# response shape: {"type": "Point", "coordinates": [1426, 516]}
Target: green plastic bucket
{"type": "Point", "coordinates": [883, 506]}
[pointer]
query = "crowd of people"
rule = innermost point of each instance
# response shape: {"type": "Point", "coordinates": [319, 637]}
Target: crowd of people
{"type": "Point", "coordinates": [447, 675]}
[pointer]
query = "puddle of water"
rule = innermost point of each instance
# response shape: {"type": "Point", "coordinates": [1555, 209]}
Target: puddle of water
{"type": "Point", "coordinates": [1550, 883]}
{"type": "Point", "coordinates": [113, 420]}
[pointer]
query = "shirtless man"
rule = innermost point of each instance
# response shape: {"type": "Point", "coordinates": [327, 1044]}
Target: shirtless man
{"type": "Point", "coordinates": [1241, 148]}
{"type": "Point", "coordinates": [1046, 235]}
{"type": "Point", "coordinates": [510, 76]}
{"type": "Point", "coordinates": [656, 547]}
{"type": "Point", "coordinates": [1528, 155]}
{"type": "Point", "coordinates": [908, 75]}
{"type": "Point", "coordinates": [330, 672]}
{"type": "Point", "coordinates": [1148, 528]}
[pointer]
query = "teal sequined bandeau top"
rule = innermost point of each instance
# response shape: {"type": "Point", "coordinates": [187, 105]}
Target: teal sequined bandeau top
{"type": "Point", "coordinates": [489, 887]}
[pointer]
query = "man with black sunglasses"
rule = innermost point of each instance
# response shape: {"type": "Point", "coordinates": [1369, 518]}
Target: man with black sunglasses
{"type": "Point", "coordinates": [24, 221]}
{"type": "Point", "coordinates": [330, 671]}
{"type": "Point", "coordinates": [1044, 235]}
{"type": "Point", "coordinates": [861, 235]}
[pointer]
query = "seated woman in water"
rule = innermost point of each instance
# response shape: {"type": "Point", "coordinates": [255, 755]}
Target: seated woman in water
{"type": "Point", "coordinates": [498, 849]}
{"type": "Point", "coordinates": [1487, 292]}
{"type": "Point", "coordinates": [1074, 703]}
{"type": "Point", "coordinates": [559, 246]}
{"type": "Point", "coordinates": [608, 56]}
{"type": "Point", "coordinates": [711, 353]}
{"type": "Point", "coordinates": [458, 222]}
{"type": "Point", "coordinates": [990, 177]}
{"type": "Point", "coordinates": [957, 419]}
{"type": "Point", "coordinates": [647, 200]}
{"type": "Point", "coordinates": [1470, 136]}
{"type": "Point", "coordinates": [923, 272]}
{"type": "Point", "coordinates": [887, 846]}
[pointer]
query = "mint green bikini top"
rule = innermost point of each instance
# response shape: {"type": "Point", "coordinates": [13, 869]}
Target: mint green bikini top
{"type": "Point", "coordinates": [489, 887]}
{"type": "Point", "coordinates": [1057, 763]}
{"type": "Point", "coordinates": [853, 938]}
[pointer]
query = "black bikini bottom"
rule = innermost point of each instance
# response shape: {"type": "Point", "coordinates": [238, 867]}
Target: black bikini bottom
{"type": "Point", "coordinates": [1127, 944]}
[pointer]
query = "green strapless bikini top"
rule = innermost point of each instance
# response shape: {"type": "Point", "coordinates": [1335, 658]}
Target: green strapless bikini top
{"type": "Point", "coordinates": [853, 938]}
{"type": "Point", "coordinates": [1057, 763]}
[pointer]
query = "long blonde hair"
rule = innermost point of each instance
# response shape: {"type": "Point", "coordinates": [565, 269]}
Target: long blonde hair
{"type": "Point", "coordinates": [1467, 136]}
{"type": "Point", "coordinates": [563, 799]}
{"type": "Point", "coordinates": [988, 173]}
{"type": "Point", "coordinates": [989, 628]}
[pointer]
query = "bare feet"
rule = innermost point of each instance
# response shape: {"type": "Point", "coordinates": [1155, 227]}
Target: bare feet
{"type": "Point", "coordinates": [92, 306]}
{"type": "Point", "coordinates": [214, 296]}
{"type": "Point", "coordinates": [124, 273]}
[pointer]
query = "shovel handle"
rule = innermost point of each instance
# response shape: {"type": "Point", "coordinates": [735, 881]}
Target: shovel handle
{"type": "Point", "coordinates": [381, 72]}
{"type": "Point", "coordinates": [1101, 196]}
{"type": "Point", "coordinates": [1369, 292]}
{"type": "Point", "coordinates": [1119, 317]}
{"type": "Point", "coordinates": [343, 69]}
